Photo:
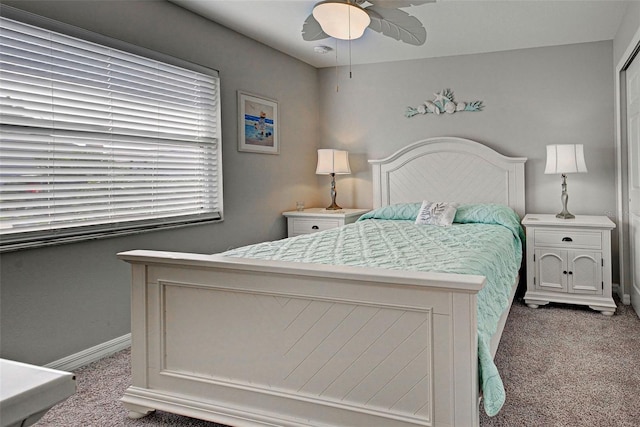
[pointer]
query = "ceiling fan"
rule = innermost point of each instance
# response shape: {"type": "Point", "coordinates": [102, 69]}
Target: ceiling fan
{"type": "Point", "coordinates": [347, 20]}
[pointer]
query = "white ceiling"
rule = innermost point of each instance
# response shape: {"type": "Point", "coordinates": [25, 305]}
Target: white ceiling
{"type": "Point", "coordinates": [454, 27]}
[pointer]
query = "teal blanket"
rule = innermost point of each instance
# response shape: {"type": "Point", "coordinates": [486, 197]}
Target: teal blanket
{"type": "Point", "coordinates": [484, 240]}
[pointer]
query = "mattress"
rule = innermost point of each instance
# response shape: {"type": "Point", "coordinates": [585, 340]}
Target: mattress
{"type": "Point", "coordinates": [484, 240]}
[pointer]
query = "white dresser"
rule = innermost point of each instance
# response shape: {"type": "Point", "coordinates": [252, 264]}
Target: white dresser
{"type": "Point", "coordinates": [569, 261]}
{"type": "Point", "coordinates": [312, 220]}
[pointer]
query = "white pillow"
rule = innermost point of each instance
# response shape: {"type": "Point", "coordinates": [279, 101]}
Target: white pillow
{"type": "Point", "coordinates": [437, 213]}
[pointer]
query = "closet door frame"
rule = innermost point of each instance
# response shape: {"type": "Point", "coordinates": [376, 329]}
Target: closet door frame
{"type": "Point", "coordinates": [622, 215]}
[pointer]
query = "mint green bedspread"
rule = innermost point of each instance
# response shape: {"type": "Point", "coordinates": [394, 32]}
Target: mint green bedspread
{"type": "Point", "coordinates": [484, 240]}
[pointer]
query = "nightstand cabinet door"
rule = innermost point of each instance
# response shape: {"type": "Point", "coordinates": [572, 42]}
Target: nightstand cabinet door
{"type": "Point", "coordinates": [585, 273]}
{"type": "Point", "coordinates": [576, 272]}
{"type": "Point", "coordinates": [551, 270]}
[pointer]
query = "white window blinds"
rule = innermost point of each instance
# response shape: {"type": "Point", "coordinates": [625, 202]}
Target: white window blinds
{"type": "Point", "coordinates": [98, 140]}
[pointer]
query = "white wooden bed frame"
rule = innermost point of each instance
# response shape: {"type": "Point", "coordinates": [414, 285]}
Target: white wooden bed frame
{"type": "Point", "coordinates": [248, 342]}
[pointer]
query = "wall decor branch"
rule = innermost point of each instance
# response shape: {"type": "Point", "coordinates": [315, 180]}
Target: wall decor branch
{"type": "Point", "coordinates": [443, 102]}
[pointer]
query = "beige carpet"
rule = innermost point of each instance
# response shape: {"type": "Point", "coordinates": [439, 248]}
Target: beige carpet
{"type": "Point", "coordinates": [561, 366]}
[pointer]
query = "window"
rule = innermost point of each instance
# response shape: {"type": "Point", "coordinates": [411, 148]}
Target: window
{"type": "Point", "coordinates": [96, 141]}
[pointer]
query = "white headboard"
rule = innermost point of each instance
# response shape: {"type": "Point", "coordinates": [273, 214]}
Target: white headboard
{"type": "Point", "coordinates": [449, 169]}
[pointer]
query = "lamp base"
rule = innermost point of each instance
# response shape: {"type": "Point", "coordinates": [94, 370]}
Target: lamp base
{"type": "Point", "coordinates": [565, 215]}
{"type": "Point", "coordinates": [334, 206]}
{"type": "Point", "coordinates": [565, 199]}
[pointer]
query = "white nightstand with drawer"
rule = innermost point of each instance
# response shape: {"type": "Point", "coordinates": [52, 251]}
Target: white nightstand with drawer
{"type": "Point", "coordinates": [569, 261]}
{"type": "Point", "coordinates": [312, 220]}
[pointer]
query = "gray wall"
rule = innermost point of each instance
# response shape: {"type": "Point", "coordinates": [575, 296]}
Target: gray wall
{"type": "Point", "coordinates": [61, 300]}
{"type": "Point", "coordinates": [532, 97]}
{"type": "Point", "coordinates": [628, 29]}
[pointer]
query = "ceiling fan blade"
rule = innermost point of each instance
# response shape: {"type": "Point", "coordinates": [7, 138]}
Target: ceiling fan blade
{"type": "Point", "coordinates": [394, 4]}
{"type": "Point", "coordinates": [397, 24]}
{"type": "Point", "coordinates": [311, 30]}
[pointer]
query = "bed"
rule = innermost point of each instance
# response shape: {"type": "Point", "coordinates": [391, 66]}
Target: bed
{"type": "Point", "coordinates": [247, 341]}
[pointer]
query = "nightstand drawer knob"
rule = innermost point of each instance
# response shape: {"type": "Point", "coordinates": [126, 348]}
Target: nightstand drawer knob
{"type": "Point", "coordinates": [567, 239]}
{"type": "Point", "coordinates": [564, 272]}
{"type": "Point", "coordinates": [315, 227]}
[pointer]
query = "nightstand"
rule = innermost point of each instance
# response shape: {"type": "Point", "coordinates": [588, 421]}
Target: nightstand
{"type": "Point", "coordinates": [569, 261]}
{"type": "Point", "coordinates": [312, 220]}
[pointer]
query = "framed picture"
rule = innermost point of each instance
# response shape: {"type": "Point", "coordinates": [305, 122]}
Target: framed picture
{"type": "Point", "coordinates": [257, 124]}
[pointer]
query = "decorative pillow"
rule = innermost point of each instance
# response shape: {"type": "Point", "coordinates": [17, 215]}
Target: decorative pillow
{"type": "Point", "coordinates": [437, 213]}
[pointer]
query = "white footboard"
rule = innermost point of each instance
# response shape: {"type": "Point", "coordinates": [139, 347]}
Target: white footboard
{"type": "Point", "coordinates": [262, 343]}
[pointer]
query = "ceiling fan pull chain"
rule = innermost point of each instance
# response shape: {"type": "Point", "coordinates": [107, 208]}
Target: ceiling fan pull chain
{"type": "Point", "coordinates": [337, 81]}
{"type": "Point", "coordinates": [350, 74]}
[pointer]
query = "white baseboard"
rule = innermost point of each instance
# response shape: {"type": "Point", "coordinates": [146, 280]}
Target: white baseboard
{"type": "Point", "coordinates": [91, 355]}
{"type": "Point", "coordinates": [635, 299]}
{"type": "Point", "coordinates": [617, 290]}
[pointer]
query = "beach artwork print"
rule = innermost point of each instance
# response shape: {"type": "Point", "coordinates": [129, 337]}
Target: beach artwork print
{"type": "Point", "coordinates": [257, 124]}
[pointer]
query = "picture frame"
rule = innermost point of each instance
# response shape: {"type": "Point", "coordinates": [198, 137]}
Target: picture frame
{"type": "Point", "coordinates": [257, 124]}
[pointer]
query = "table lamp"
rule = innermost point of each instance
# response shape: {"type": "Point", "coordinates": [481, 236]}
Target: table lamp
{"type": "Point", "coordinates": [564, 159]}
{"type": "Point", "coordinates": [333, 162]}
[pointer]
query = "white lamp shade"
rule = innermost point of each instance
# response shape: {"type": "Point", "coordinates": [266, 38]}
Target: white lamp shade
{"type": "Point", "coordinates": [341, 20]}
{"type": "Point", "coordinates": [565, 158]}
{"type": "Point", "coordinates": [333, 161]}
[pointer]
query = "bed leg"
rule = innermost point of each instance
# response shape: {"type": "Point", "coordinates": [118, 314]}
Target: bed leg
{"type": "Point", "coordinates": [137, 412]}
{"type": "Point", "coordinates": [134, 415]}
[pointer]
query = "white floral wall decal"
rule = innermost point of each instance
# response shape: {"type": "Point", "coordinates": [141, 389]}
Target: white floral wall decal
{"type": "Point", "coordinates": [443, 103]}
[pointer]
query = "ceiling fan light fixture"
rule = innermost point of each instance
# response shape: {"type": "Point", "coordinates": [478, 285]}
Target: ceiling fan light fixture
{"type": "Point", "coordinates": [342, 20]}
